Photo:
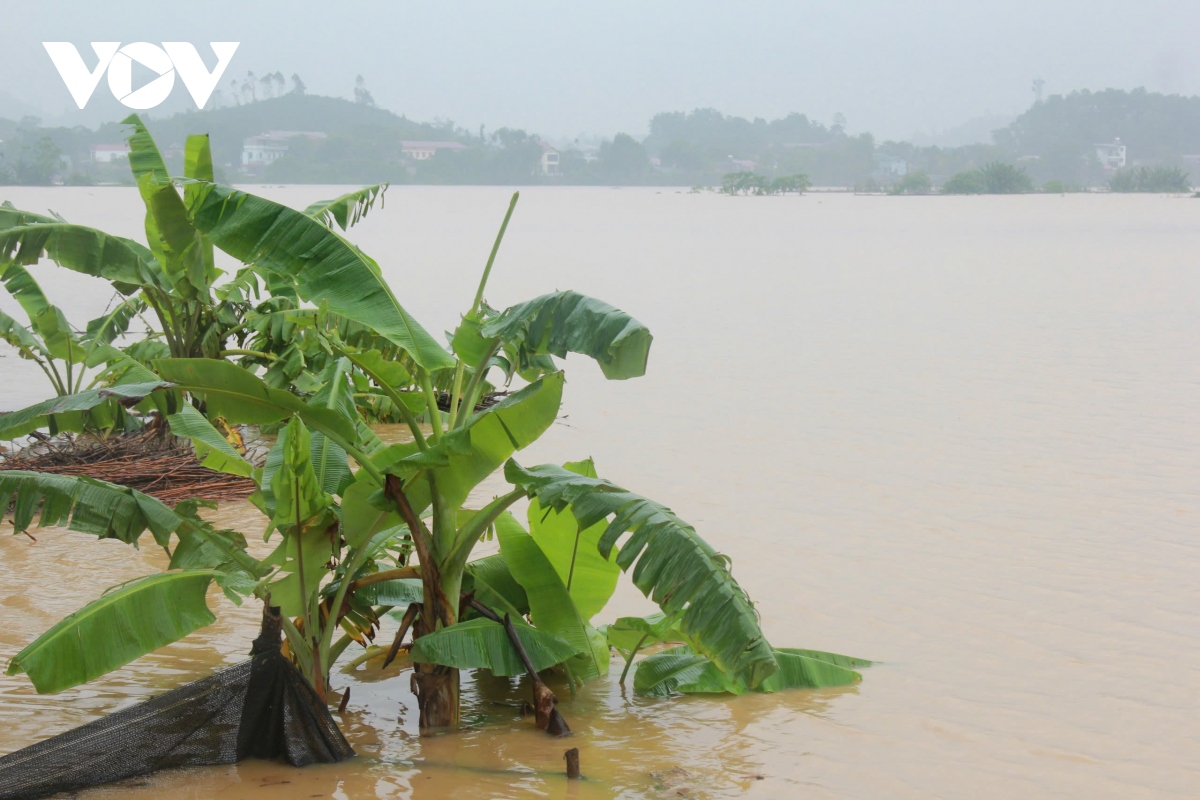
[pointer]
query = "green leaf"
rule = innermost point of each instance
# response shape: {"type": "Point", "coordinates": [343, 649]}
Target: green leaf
{"type": "Point", "coordinates": [849, 662]}
{"type": "Point", "coordinates": [797, 671]}
{"type": "Point", "coordinates": [43, 413]}
{"type": "Point", "coordinates": [82, 249]}
{"type": "Point", "coordinates": [213, 450]}
{"type": "Point", "coordinates": [299, 498]}
{"type": "Point", "coordinates": [361, 517]}
{"type": "Point", "coordinates": [20, 337]}
{"type": "Point", "coordinates": [239, 397]}
{"type": "Point", "coordinates": [661, 674]}
{"type": "Point", "coordinates": [565, 322]}
{"type": "Point", "coordinates": [121, 626]}
{"type": "Point", "coordinates": [13, 217]}
{"type": "Point", "coordinates": [495, 433]}
{"type": "Point", "coordinates": [670, 564]}
{"type": "Point", "coordinates": [325, 267]}
{"type": "Point", "coordinates": [399, 593]}
{"type": "Point", "coordinates": [484, 644]}
{"type": "Point", "coordinates": [173, 240]}
{"type": "Point", "coordinates": [495, 587]}
{"type": "Point", "coordinates": [550, 604]}
{"type": "Point", "coordinates": [328, 457]}
{"type": "Point", "coordinates": [85, 505]}
{"type": "Point", "coordinates": [348, 209]}
{"type": "Point", "coordinates": [629, 632]}
{"type": "Point", "coordinates": [590, 577]}
{"type": "Point", "coordinates": [144, 158]}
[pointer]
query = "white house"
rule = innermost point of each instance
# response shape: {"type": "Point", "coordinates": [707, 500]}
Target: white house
{"type": "Point", "coordinates": [423, 151]}
{"type": "Point", "coordinates": [107, 153]}
{"type": "Point", "coordinates": [266, 148]}
{"type": "Point", "coordinates": [1111, 156]}
{"type": "Point", "coordinates": [550, 164]}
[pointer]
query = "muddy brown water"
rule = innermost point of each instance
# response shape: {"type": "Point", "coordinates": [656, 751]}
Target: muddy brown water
{"type": "Point", "coordinates": [957, 435]}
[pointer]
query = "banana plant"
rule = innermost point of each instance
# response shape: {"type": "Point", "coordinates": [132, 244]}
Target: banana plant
{"type": "Point", "coordinates": [344, 534]}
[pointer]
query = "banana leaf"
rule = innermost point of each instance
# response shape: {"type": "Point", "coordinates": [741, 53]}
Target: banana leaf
{"type": "Point", "coordinates": [42, 414]}
{"type": "Point", "coordinates": [213, 449]}
{"type": "Point", "coordinates": [240, 397]}
{"type": "Point", "coordinates": [495, 587]}
{"type": "Point", "coordinates": [348, 209]}
{"type": "Point", "coordinates": [590, 578]}
{"type": "Point", "coordinates": [325, 267]}
{"type": "Point", "coordinates": [82, 249]}
{"type": "Point", "coordinates": [562, 322]}
{"type": "Point", "coordinates": [680, 669]}
{"type": "Point", "coordinates": [121, 626]}
{"type": "Point", "coordinates": [550, 605]}
{"type": "Point", "coordinates": [484, 644]}
{"type": "Point", "coordinates": [669, 561]}
{"type": "Point", "coordinates": [628, 634]}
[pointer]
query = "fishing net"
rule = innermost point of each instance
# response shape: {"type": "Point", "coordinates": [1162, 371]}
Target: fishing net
{"type": "Point", "coordinates": [261, 708]}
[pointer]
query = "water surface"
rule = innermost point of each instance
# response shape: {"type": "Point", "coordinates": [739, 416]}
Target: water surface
{"type": "Point", "coordinates": [956, 435]}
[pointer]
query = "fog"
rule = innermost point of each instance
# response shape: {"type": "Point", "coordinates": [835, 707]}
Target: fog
{"type": "Point", "coordinates": [895, 69]}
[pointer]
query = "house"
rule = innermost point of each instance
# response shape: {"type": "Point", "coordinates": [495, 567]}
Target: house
{"type": "Point", "coordinates": [423, 151]}
{"type": "Point", "coordinates": [1111, 156]}
{"type": "Point", "coordinates": [550, 162]}
{"type": "Point", "coordinates": [890, 166]}
{"type": "Point", "coordinates": [108, 153]}
{"type": "Point", "coordinates": [267, 148]}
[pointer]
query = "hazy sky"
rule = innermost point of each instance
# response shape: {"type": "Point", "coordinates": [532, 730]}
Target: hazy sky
{"type": "Point", "coordinates": [562, 68]}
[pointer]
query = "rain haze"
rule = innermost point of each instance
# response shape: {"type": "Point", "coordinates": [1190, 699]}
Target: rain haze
{"type": "Point", "coordinates": [894, 69]}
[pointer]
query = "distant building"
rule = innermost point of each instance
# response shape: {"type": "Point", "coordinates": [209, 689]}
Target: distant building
{"type": "Point", "coordinates": [267, 148]}
{"type": "Point", "coordinates": [1111, 156]}
{"type": "Point", "coordinates": [107, 153]}
{"type": "Point", "coordinates": [423, 151]}
{"type": "Point", "coordinates": [743, 164]}
{"type": "Point", "coordinates": [890, 166]}
{"type": "Point", "coordinates": [550, 161]}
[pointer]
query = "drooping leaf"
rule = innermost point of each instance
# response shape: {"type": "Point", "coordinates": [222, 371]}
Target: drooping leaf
{"type": "Point", "coordinates": [13, 217]}
{"type": "Point", "coordinates": [363, 516]}
{"type": "Point", "coordinates": [105, 329]}
{"type": "Point", "coordinates": [85, 505]}
{"type": "Point", "coordinates": [121, 626]}
{"type": "Point", "coordinates": [563, 322]}
{"type": "Point", "coordinates": [798, 671]}
{"type": "Point", "coordinates": [484, 644]}
{"type": "Point", "coordinates": [325, 267]}
{"type": "Point", "coordinates": [397, 593]}
{"type": "Point", "coordinates": [849, 662]}
{"type": "Point", "coordinates": [589, 577]}
{"type": "Point", "coordinates": [213, 449]}
{"type": "Point", "coordinates": [85, 250]}
{"type": "Point", "coordinates": [239, 397]}
{"type": "Point", "coordinates": [661, 674]}
{"type": "Point", "coordinates": [550, 605]}
{"type": "Point", "coordinates": [670, 564]}
{"type": "Point", "coordinates": [628, 633]}
{"type": "Point", "coordinates": [347, 209]}
{"type": "Point", "coordinates": [42, 414]}
{"type": "Point", "coordinates": [495, 587]}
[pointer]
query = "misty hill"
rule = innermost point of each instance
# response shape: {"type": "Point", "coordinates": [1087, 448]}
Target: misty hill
{"type": "Point", "coordinates": [228, 127]}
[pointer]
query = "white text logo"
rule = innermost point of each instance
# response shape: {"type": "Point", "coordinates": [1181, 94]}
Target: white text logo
{"type": "Point", "coordinates": [165, 61]}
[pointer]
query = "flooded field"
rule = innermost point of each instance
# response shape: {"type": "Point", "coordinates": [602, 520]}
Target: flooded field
{"type": "Point", "coordinates": [957, 435]}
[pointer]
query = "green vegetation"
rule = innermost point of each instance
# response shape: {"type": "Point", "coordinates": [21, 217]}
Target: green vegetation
{"type": "Point", "coordinates": [993, 178]}
{"type": "Point", "coordinates": [1147, 179]}
{"type": "Point", "coordinates": [1055, 139]}
{"type": "Point", "coordinates": [753, 183]}
{"type": "Point", "coordinates": [328, 346]}
{"type": "Point", "coordinates": [912, 183]}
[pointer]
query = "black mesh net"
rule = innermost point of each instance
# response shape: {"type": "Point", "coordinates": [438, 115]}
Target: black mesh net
{"type": "Point", "coordinates": [261, 708]}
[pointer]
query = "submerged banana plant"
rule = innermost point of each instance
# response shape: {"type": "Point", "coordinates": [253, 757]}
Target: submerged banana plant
{"type": "Point", "coordinates": [362, 528]}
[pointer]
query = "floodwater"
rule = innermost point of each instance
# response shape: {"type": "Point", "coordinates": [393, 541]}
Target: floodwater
{"type": "Point", "coordinates": [960, 436]}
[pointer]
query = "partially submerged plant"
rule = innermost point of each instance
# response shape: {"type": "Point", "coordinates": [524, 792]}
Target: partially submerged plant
{"type": "Point", "coordinates": [344, 538]}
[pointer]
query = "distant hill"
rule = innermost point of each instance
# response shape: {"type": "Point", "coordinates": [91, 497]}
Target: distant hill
{"type": "Point", "coordinates": [228, 127]}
